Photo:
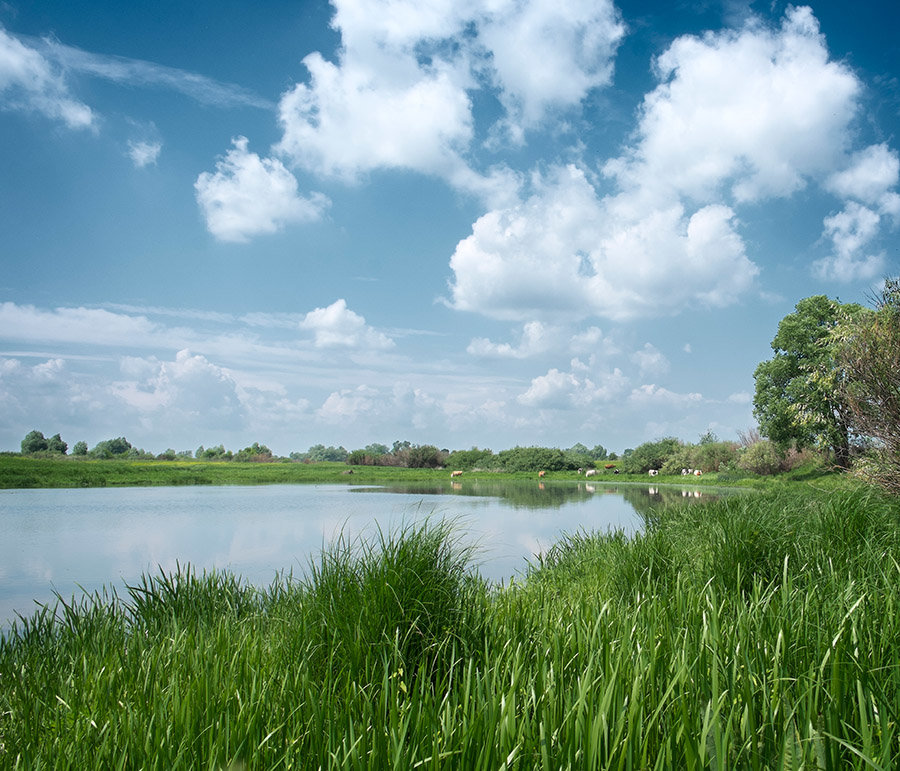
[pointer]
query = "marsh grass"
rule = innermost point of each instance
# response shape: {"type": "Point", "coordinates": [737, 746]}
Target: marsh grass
{"type": "Point", "coordinates": [755, 632]}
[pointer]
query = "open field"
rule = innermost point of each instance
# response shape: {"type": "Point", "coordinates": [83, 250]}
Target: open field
{"type": "Point", "coordinates": [752, 632]}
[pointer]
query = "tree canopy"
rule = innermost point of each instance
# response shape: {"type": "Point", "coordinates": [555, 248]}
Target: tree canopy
{"type": "Point", "coordinates": [799, 392]}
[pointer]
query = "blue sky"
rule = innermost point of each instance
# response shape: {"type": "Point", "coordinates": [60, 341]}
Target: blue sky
{"type": "Point", "coordinates": [450, 222]}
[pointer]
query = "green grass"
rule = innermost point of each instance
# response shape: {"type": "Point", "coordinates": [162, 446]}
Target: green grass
{"type": "Point", "coordinates": [757, 632]}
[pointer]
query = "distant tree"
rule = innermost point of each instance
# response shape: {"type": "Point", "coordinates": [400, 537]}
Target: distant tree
{"type": "Point", "coordinates": [111, 448]}
{"type": "Point", "coordinates": [256, 452]}
{"type": "Point", "coordinates": [376, 449]}
{"type": "Point", "coordinates": [80, 448]}
{"type": "Point", "coordinates": [650, 455]}
{"type": "Point", "coordinates": [169, 454]}
{"type": "Point", "coordinates": [599, 452]}
{"type": "Point", "coordinates": [213, 453]}
{"type": "Point", "coordinates": [424, 456]}
{"type": "Point", "coordinates": [535, 459]}
{"type": "Point", "coordinates": [868, 350]}
{"type": "Point", "coordinates": [466, 460]}
{"type": "Point", "coordinates": [34, 441]}
{"type": "Point", "coordinates": [56, 444]}
{"type": "Point", "coordinates": [319, 453]}
{"type": "Point", "coordinates": [800, 397]}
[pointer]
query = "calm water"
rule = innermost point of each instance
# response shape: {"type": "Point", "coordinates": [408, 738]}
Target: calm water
{"type": "Point", "coordinates": [60, 540]}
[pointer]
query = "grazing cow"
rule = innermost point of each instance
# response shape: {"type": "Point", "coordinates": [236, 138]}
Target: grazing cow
{"type": "Point", "coordinates": [609, 465]}
{"type": "Point", "coordinates": [542, 474]}
{"type": "Point", "coordinates": [653, 472]}
{"type": "Point", "coordinates": [590, 472]}
{"type": "Point", "coordinates": [697, 472]}
{"type": "Point", "coordinates": [615, 471]}
{"type": "Point", "coordinates": [684, 472]}
{"type": "Point", "coordinates": [455, 474]}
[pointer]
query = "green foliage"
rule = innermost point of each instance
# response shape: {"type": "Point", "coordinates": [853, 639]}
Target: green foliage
{"type": "Point", "coordinates": [466, 460]}
{"type": "Point", "coordinates": [763, 457]}
{"type": "Point", "coordinates": [80, 448]}
{"type": "Point", "coordinates": [756, 632]}
{"type": "Point", "coordinates": [111, 448]}
{"type": "Point", "coordinates": [799, 391]}
{"type": "Point", "coordinates": [650, 455]}
{"type": "Point", "coordinates": [213, 453]}
{"type": "Point", "coordinates": [319, 453]}
{"type": "Point", "coordinates": [34, 442]}
{"type": "Point", "coordinates": [535, 459]}
{"type": "Point", "coordinates": [868, 349]}
{"type": "Point", "coordinates": [256, 453]}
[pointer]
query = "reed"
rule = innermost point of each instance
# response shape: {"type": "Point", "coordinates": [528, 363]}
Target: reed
{"type": "Point", "coordinates": [755, 632]}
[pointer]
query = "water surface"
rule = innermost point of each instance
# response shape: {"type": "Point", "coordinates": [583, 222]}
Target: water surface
{"type": "Point", "coordinates": [67, 540]}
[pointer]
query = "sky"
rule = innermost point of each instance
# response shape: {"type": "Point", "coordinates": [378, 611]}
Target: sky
{"type": "Point", "coordinates": [462, 223]}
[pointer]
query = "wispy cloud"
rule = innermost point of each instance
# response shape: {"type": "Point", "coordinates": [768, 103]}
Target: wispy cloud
{"type": "Point", "coordinates": [120, 69]}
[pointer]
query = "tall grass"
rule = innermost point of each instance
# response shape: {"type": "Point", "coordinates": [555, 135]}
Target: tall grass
{"type": "Point", "coordinates": [753, 632]}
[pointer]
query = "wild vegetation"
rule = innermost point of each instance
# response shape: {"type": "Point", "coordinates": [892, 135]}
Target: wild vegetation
{"type": "Point", "coordinates": [758, 631]}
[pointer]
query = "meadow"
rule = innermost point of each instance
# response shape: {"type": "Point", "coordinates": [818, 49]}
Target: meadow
{"type": "Point", "coordinates": [757, 631]}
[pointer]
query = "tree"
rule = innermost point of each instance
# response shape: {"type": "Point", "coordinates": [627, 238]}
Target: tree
{"type": "Point", "coordinates": [80, 448]}
{"type": "Point", "coordinates": [650, 455]}
{"type": "Point", "coordinates": [56, 444]}
{"type": "Point", "coordinates": [868, 350]}
{"type": "Point", "coordinates": [111, 448]}
{"type": "Point", "coordinates": [799, 395]}
{"type": "Point", "coordinates": [34, 441]}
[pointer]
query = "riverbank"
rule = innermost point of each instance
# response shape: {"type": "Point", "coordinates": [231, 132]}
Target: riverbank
{"type": "Point", "coordinates": [755, 631]}
{"type": "Point", "coordinates": [21, 472]}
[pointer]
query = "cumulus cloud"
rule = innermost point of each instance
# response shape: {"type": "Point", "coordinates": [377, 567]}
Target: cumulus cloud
{"type": "Point", "coordinates": [339, 327]}
{"type": "Point", "coordinates": [869, 176]}
{"type": "Point", "coordinates": [738, 117]}
{"type": "Point", "coordinates": [576, 388]}
{"type": "Point", "coordinates": [651, 394]}
{"type": "Point", "coordinates": [562, 254]}
{"type": "Point", "coordinates": [851, 231]}
{"type": "Point", "coordinates": [29, 82]}
{"type": "Point", "coordinates": [187, 391]}
{"type": "Point", "coordinates": [398, 95]}
{"type": "Point", "coordinates": [248, 195]}
{"type": "Point", "coordinates": [752, 113]}
{"type": "Point", "coordinates": [536, 338]}
{"type": "Point", "coordinates": [650, 360]}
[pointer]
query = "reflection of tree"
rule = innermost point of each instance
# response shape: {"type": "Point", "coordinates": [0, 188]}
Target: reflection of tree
{"type": "Point", "coordinates": [547, 495]}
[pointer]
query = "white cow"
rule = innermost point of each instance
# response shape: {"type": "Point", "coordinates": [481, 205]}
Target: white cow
{"type": "Point", "coordinates": [590, 472]}
{"type": "Point", "coordinates": [653, 472]}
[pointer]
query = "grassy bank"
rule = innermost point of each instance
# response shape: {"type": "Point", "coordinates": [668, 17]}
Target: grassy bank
{"type": "Point", "coordinates": [17, 472]}
{"type": "Point", "coordinates": [752, 632]}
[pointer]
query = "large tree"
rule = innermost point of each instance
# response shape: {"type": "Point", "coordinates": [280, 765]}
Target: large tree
{"type": "Point", "coordinates": [868, 351]}
{"type": "Point", "coordinates": [799, 392]}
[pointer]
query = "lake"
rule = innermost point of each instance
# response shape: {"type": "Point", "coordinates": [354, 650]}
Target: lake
{"type": "Point", "coordinates": [69, 539]}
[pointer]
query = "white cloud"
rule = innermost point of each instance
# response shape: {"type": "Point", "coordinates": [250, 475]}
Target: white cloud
{"type": "Point", "coordinates": [851, 231]}
{"type": "Point", "coordinates": [869, 176]}
{"type": "Point", "coordinates": [754, 113]}
{"type": "Point", "coordinates": [536, 338]}
{"type": "Point", "coordinates": [120, 69]}
{"type": "Point", "coordinates": [547, 55]}
{"type": "Point", "coordinates": [248, 195]}
{"type": "Point", "coordinates": [187, 391]}
{"type": "Point", "coordinates": [650, 360]}
{"type": "Point", "coordinates": [338, 327]}
{"type": "Point", "coordinates": [562, 254]}
{"type": "Point", "coordinates": [87, 326]}
{"type": "Point", "coordinates": [652, 394]}
{"type": "Point", "coordinates": [566, 390]}
{"type": "Point", "coordinates": [399, 94]}
{"type": "Point", "coordinates": [144, 153]}
{"type": "Point", "coordinates": [28, 82]}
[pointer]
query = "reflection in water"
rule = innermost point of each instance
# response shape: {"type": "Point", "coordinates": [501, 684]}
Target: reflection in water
{"type": "Point", "coordinates": [548, 495]}
{"type": "Point", "coordinates": [59, 540]}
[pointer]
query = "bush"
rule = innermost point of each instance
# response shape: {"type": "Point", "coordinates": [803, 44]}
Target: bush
{"type": "Point", "coordinates": [762, 457]}
{"type": "Point", "coordinates": [650, 455]}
